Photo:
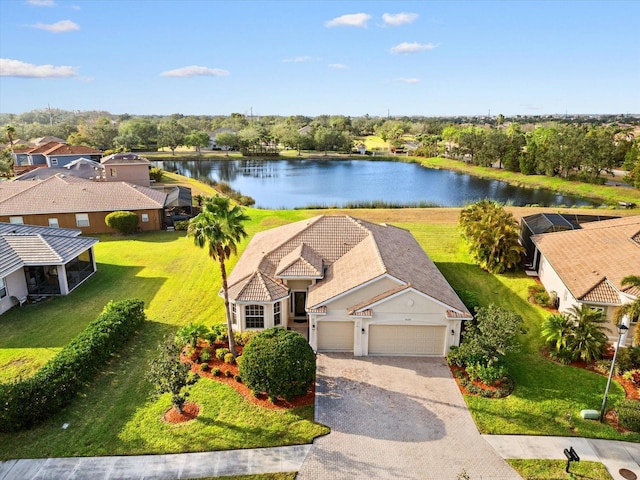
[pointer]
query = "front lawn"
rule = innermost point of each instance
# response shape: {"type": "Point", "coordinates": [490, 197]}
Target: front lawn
{"type": "Point", "coordinates": [180, 284]}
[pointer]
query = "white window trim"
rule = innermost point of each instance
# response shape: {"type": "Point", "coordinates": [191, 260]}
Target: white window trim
{"type": "Point", "coordinates": [255, 315]}
{"type": "Point", "coordinates": [16, 220]}
{"type": "Point", "coordinates": [53, 223]}
{"type": "Point", "coordinates": [145, 217]}
{"type": "Point", "coordinates": [277, 314]}
{"type": "Point", "coordinates": [81, 218]}
{"type": "Point", "coordinates": [3, 288]}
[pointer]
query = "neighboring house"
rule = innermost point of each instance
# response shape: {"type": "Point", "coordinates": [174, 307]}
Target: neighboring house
{"type": "Point", "coordinates": [586, 266]}
{"type": "Point", "coordinates": [348, 285]}
{"type": "Point", "coordinates": [42, 261]}
{"type": "Point", "coordinates": [81, 168]}
{"type": "Point", "coordinates": [71, 202]}
{"type": "Point", "coordinates": [212, 138]}
{"type": "Point", "coordinates": [54, 154]}
{"type": "Point", "coordinates": [47, 139]}
{"type": "Point", "coordinates": [306, 130]}
{"type": "Point", "coordinates": [361, 148]}
{"type": "Point", "coordinates": [127, 167]}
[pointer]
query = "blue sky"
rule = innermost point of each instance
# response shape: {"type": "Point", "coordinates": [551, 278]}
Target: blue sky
{"type": "Point", "coordinates": [320, 57]}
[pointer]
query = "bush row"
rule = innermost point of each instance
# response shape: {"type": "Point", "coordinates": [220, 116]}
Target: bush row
{"type": "Point", "coordinates": [27, 402]}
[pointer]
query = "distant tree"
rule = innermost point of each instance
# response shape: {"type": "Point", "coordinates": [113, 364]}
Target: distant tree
{"type": "Point", "coordinates": [6, 162]}
{"type": "Point", "coordinates": [492, 235]}
{"type": "Point", "coordinates": [101, 133]}
{"type": "Point", "coordinates": [227, 139]}
{"type": "Point", "coordinates": [171, 134]}
{"type": "Point", "coordinates": [515, 146]}
{"type": "Point", "coordinates": [198, 140]}
{"type": "Point", "coordinates": [127, 141]}
{"type": "Point", "coordinates": [10, 134]}
{"type": "Point", "coordinates": [144, 129]}
{"type": "Point", "coordinates": [169, 375]}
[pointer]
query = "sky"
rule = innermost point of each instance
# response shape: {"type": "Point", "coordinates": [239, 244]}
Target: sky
{"type": "Point", "coordinates": [295, 57]}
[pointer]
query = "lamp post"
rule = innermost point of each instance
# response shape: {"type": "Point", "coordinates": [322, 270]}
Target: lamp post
{"type": "Point", "coordinates": [622, 328]}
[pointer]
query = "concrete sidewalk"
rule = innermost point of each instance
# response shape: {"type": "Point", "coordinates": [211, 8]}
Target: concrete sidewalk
{"type": "Point", "coordinates": [613, 454]}
{"type": "Point", "coordinates": [159, 467]}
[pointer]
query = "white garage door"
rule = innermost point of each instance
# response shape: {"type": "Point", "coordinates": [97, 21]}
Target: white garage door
{"type": "Point", "coordinates": [406, 340]}
{"type": "Point", "coordinates": [335, 336]}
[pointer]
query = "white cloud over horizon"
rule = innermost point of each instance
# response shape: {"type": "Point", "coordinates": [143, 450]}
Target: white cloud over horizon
{"type": "Point", "coordinates": [350, 20]}
{"type": "Point", "coordinates": [58, 27]}
{"type": "Point", "coordinates": [17, 68]}
{"type": "Point", "coordinates": [415, 47]}
{"type": "Point", "coordinates": [195, 71]}
{"type": "Point", "coordinates": [396, 19]}
{"type": "Point", "coordinates": [410, 81]}
{"type": "Point", "coordinates": [301, 59]}
{"type": "Point", "coordinates": [338, 66]}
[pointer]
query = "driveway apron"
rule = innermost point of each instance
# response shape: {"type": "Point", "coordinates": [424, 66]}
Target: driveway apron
{"type": "Point", "coordinates": [396, 417]}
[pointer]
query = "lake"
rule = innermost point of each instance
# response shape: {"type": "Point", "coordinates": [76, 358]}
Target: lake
{"type": "Point", "coordinates": [289, 184]}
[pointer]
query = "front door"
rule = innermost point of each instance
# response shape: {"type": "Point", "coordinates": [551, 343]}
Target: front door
{"type": "Point", "coordinates": [299, 303]}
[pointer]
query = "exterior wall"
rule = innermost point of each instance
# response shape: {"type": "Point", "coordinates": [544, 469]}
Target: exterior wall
{"type": "Point", "coordinates": [21, 159]}
{"type": "Point", "coordinates": [407, 308]}
{"type": "Point", "coordinates": [96, 221]}
{"type": "Point", "coordinates": [37, 159]}
{"type": "Point", "coordinates": [136, 174]}
{"type": "Point", "coordinates": [16, 287]}
{"type": "Point", "coordinates": [552, 283]}
{"type": "Point", "coordinates": [62, 160]}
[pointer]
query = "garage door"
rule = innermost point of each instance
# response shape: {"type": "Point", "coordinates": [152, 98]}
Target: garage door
{"type": "Point", "coordinates": [406, 340]}
{"type": "Point", "coordinates": [335, 336]}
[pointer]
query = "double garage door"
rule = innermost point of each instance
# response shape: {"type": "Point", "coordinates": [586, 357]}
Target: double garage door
{"type": "Point", "coordinates": [384, 339]}
{"type": "Point", "coordinates": [406, 340]}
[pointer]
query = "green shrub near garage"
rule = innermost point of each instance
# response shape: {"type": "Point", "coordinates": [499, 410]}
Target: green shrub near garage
{"type": "Point", "coordinates": [28, 402]}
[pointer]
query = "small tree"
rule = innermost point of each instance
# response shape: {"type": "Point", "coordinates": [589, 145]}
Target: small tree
{"type": "Point", "coordinates": [122, 222]}
{"type": "Point", "coordinates": [169, 375]}
{"type": "Point", "coordinates": [279, 363]}
{"type": "Point", "coordinates": [155, 174]}
{"type": "Point", "coordinates": [190, 334]}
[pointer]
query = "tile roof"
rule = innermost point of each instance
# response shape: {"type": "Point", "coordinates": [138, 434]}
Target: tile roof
{"type": "Point", "coordinates": [124, 159]}
{"type": "Point", "coordinates": [64, 149]}
{"type": "Point", "coordinates": [303, 261]}
{"type": "Point", "coordinates": [353, 251]}
{"type": "Point", "coordinates": [600, 250]}
{"type": "Point", "coordinates": [258, 287]}
{"type": "Point", "coordinates": [603, 292]}
{"type": "Point", "coordinates": [68, 194]}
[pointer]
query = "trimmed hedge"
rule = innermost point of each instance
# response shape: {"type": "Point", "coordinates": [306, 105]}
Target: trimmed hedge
{"type": "Point", "coordinates": [31, 401]}
{"type": "Point", "coordinates": [124, 222]}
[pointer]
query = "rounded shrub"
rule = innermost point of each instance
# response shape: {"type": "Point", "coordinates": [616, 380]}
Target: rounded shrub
{"type": "Point", "coordinates": [629, 414]}
{"type": "Point", "coordinates": [279, 363]}
{"type": "Point", "coordinates": [229, 358]}
{"type": "Point", "coordinates": [221, 352]}
{"type": "Point", "coordinates": [122, 222]}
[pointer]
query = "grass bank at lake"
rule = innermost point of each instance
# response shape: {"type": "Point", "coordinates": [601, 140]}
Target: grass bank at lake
{"type": "Point", "coordinates": [179, 284]}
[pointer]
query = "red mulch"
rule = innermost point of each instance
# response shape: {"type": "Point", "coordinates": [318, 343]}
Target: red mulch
{"type": "Point", "coordinates": [241, 388]}
{"type": "Point", "coordinates": [190, 411]}
{"type": "Point", "coordinates": [454, 369]}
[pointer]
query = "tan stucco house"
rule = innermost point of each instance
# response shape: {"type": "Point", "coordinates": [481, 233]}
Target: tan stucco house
{"type": "Point", "coordinates": [586, 266]}
{"type": "Point", "coordinates": [347, 285]}
{"type": "Point", "coordinates": [71, 202]}
{"type": "Point", "coordinates": [127, 167]}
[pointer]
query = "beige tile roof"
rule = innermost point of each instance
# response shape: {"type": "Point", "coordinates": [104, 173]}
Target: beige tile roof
{"type": "Point", "coordinates": [258, 288]}
{"type": "Point", "coordinates": [603, 292]}
{"type": "Point", "coordinates": [68, 194]}
{"type": "Point", "coordinates": [303, 261]}
{"type": "Point", "coordinates": [354, 252]}
{"type": "Point", "coordinates": [600, 250]}
{"type": "Point", "coordinates": [124, 159]}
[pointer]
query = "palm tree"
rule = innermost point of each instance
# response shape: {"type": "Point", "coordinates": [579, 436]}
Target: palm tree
{"type": "Point", "coordinates": [588, 340]}
{"type": "Point", "coordinates": [557, 330]}
{"type": "Point", "coordinates": [220, 227]}
{"type": "Point", "coordinates": [630, 310]}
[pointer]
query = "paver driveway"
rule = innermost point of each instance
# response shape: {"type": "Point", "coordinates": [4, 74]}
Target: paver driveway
{"type": "Point", "coordinates": [395, 417]}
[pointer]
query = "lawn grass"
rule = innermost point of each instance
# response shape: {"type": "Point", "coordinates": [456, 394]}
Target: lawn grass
{"type": "Point", "coordinates": [179, 284]}
{"type": "Point", "coordinates": [555, 470]}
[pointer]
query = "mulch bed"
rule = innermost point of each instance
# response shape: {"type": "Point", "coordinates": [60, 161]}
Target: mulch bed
{"type": "Point", "coordinates": [261, 400]}
{"type": "Point", "coordinates": [190, 411]}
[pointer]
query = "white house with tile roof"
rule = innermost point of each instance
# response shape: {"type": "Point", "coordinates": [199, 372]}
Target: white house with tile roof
{"type": "Point", "coordinates": [347, 285]}
{"type": "Point", "coordinates": [586, 266]}
{"type": "Point", "coordinates": [42, 261]}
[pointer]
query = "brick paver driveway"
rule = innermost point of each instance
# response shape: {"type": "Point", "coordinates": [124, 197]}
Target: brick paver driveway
{"type": "Point", "coordinates": [395, 417]}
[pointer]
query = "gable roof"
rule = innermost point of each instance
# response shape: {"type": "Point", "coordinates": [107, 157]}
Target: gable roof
{"type": "Point", "coordinates": [593, 261]}
{"type": "Point", "coordinates": [67, 194]}
{"type": "Point", "coordinates": [29, 245]}
{"type": "Point", "coordinates": [58, 148]}
{"type": "Point", "coordinates": [352, 253]}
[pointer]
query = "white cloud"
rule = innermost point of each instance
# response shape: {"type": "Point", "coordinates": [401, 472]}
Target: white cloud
{"type": "Point", "coordinates": [351, 20]}
{"type": "Point", "coordinates": [195, 71]}
{"type": "Point", "coordinates": [41, 3]}
{"type": "Point", "coordinates": [410, 81]}
{"type": "Point", "coordinates": [395, 19]}
{"type": "Point", "coordinates": [58, 27]}
{"type": "Point", "coordinates": [302, 59]}
{"type": "Point", "coordinates": [16, 68]}
{"type": "Point", "coordinates": [338, 66]}
{"type": "Point", "coordinates": [405, 47]}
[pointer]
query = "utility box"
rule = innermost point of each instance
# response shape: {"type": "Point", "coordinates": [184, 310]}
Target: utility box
{"type": "Point", "coordinates": [590, 414]}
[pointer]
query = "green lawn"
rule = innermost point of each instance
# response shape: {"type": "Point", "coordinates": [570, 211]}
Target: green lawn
{"type": "Point", "coordinates": [179, 284]}
{"type": "Point", "coordinates": [555, 470]}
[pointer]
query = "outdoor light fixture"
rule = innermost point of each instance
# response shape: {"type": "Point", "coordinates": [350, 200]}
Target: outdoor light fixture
{"type": "Point", "coordinates": [313, 326]}
{"type": "Point", "coordinates": [622, 328]}
{"type": "Point", "coordinates": [363, 331]}
{"type": "Point", "coordinates": [453, 332]}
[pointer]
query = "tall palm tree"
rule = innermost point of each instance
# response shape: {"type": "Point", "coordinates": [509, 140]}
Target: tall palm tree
{"type": "Point", "coordinates": [220, 227]}
{"type": "Point", "coordinates": [10, 132]}
{"type": "Point", "coordinates": [631, 310]}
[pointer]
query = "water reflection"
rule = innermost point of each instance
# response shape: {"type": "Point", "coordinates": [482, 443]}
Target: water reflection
{"type": "Point", "coordinates": [299, 183]}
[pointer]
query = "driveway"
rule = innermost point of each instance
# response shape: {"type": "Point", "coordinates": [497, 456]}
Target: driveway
{"type": "Point", "coordinates": [396, 417]}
